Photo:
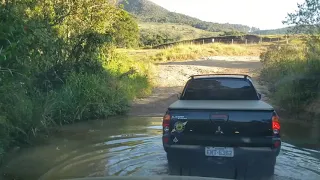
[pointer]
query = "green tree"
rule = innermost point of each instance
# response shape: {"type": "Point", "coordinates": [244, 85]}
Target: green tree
{"type": "Point", "coordinates": [307, 18]}
{"type": "Point", "coordinates": [233, 33]}
{"type": "Point", "coordinates": [54, 59]}
{"type": "Point", "coordinates": [125, 31]}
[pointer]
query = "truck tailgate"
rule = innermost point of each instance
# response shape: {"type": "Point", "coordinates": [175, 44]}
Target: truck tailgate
{"type": "Point", "coordinates": [221, 105]}
{"type": "Point", "coordinates": [221, 123]}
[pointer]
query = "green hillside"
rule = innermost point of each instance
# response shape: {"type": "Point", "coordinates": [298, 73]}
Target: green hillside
{"type": "Point", "coordinates": [147, 11]}
{"type": "Point", "coordinates": [160, 33]}
{"type": "Point", "coordinates": [273, 31]}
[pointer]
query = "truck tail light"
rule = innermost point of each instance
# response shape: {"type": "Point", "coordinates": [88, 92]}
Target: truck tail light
{"type": "Point", "coordinates": [166, 123]}
{"type": "Point", "coordinates": [275, 124]}
{"type": "Point", "coordinates": [165, 140]}
{"type": "Point", "coordinates": [277, 144]}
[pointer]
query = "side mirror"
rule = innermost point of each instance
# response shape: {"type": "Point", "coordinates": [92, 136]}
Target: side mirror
{"type": "Point", "coordinates": [259, 96]}
{"type": "Point", "coordinates": [178, 95]}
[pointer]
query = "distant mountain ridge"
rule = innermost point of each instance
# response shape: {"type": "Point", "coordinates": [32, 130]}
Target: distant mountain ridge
{"type": "Point", "coordinates": [147, 11]}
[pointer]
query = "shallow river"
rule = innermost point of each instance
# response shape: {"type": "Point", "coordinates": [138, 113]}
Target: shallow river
{"type": "Point", "coordinates": [132, 146]}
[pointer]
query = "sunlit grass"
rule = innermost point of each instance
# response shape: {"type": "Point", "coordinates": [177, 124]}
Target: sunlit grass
{"type": "Point", "coordinates": [195, 51]}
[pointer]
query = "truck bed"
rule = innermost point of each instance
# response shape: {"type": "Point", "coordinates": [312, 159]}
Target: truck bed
{"type": "Point", "coordinates": [253, 105]}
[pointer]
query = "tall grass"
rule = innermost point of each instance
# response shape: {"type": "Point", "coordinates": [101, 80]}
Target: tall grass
{"type": "Point", "coordinates": [292, 73]}
{"type": "Point", "coordinates": [193, 51]}
{"type": "Point", "coordinates": [57, 70]}
{"type": "Point", "coordinates": [26, 111]}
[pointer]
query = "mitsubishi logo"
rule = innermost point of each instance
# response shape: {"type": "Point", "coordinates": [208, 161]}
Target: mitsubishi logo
{"type": "Point", "coordinates": [219, 131]}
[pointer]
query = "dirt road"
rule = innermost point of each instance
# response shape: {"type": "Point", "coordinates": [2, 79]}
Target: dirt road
{"type": "Point", "coordinates": [172, 76]}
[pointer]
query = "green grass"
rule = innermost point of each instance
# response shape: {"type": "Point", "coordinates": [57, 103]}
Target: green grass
{"type": "Point", "coordinates": [192, 51]}
{"type": "Point", "coordinates": [27, 111]}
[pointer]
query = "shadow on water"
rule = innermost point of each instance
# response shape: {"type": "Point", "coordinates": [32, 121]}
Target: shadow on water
{"type": "Point", "coordinates": [131, 146]}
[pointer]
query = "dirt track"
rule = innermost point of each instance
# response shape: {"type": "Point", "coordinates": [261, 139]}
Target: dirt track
{"type": "Point", "coordinates": [172, 76]}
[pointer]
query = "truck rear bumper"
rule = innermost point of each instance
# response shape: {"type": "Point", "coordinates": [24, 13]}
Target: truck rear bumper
{"type": "Point", "coordinates": [253, 162]}
{"type": "Point", "coordinates": [196, 154]}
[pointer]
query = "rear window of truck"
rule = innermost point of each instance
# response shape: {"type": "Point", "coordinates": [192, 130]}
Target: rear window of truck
{"type": "Point", "coordinates": [219, 89]}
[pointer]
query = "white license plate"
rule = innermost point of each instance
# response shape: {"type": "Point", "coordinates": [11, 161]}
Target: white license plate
{"type": "Point", "coordinates": [219, 151]}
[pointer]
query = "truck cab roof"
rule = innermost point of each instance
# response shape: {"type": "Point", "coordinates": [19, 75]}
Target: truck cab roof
{"type": "Point", "coordinates": [210, 76]}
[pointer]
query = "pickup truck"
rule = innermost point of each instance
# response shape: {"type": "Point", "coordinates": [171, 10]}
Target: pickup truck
{"type": "Point", "coordinates": [221, 123]}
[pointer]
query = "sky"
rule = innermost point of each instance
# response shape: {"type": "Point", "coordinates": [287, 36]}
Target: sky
{"type": "Point", "coordinates": [264, 14]}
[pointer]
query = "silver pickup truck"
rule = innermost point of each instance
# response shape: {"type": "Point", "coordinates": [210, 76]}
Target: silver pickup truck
{"type": "Point", "coordinates": [220, 125]}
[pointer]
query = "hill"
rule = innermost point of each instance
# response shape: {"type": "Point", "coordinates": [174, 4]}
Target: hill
{"type": "Point", "coordinates": [272, 31]}
{"type": "Point", "coordinates": [161, 33]}
{"type": "Point", "coordinates": [147, 11]}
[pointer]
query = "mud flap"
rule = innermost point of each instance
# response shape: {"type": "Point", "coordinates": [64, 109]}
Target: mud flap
{"type": "Point", "coordinates": [204, 169]}
{"type": "Point", "coordinates": [253, 171]}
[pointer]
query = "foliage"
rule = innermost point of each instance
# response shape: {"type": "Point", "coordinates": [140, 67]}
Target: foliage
{"type": "Point", "coordinates": [153, 38]}
{"type": "Point", "coordinates": [273, 31]}
{"type": "Point", "coordinates": [293, 71]}
{"type": "Point", "coordinates": [147, 11]}
{"type": "Point", "coordinates": [233, 33]}
{"type": "Point", "coordinates": [292, 76]}
{"type": "Point", "coordinates": [152, 34]}
{"type": "Point", "coordinates": [126, 31]}
{"type": "Point", "coordinates": [307, 18]}
{"type": "Point", "coordinates": [57, 65]}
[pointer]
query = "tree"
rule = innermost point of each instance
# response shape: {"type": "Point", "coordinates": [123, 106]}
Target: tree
{"type": "Point", "coordinates": [125, 30]}
{"type": "Point", "coordinates": [307, 18]}
{"type": "Point", "coordinates": [233, 33]}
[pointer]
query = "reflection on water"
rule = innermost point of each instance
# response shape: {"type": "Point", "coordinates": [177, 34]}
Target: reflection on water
{"type": "Point", "coordinates": [132, 147]}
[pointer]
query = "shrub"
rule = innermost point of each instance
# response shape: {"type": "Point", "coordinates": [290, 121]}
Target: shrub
{"type": "Point", "coordinates": [57, 66]}
{"type": "Point", "coordinates": [292, 74]}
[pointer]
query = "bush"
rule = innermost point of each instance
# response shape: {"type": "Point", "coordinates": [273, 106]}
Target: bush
{"type": "Point", "coordinates": [58, 67]}
{"type": "Point", "coordinates": [133, 76]}
{"type": "Point", "coordinates": [281, 61]}
{"type": "Point", "coordinates": [292, 74]}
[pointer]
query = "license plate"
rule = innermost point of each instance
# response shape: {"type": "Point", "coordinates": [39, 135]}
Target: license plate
{"type": "Point", "coordinates": [219, 151]}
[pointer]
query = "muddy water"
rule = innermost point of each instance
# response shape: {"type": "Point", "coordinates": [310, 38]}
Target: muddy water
{"type": "Point", "coordinates": [132, 146]}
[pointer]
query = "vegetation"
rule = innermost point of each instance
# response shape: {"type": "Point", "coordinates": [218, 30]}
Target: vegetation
{"type": "Point", "coordinates": [125, 31]}
{"type": "Point", "coordinates": [147, 11]}
{"type": "Point", "coordinates": [58, 66]}
{"type": "Point", "coordinates": [233, 33]}
{"type": "Point", "coordinates": [152, 34]}
{"type": "Point", "coordinates": [194, 51]}
{"type": "Point", "coordinates": [273, 31]}
{"type": "Point", "coordinates": [292, 71]}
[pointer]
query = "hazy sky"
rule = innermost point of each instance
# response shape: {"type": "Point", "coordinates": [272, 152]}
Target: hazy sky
{"type": "Point", "coordinates": [264, 14]}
